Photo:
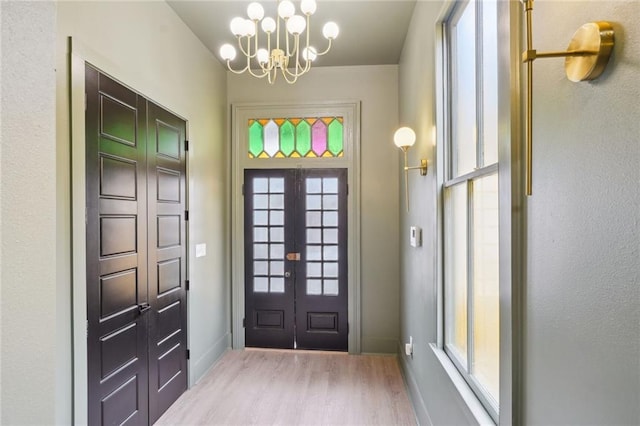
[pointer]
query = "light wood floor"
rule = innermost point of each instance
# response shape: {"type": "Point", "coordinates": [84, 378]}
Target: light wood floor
{"type": "Point", "coordinates": [273, 387]}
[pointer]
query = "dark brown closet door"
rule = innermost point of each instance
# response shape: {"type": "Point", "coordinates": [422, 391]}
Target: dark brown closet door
{"type": "Point", "coordinates": [117, 323]}
{"type": "Point", "coordinates": [166, 171]}
{"type": "Point", "coordinates": [136, 255]}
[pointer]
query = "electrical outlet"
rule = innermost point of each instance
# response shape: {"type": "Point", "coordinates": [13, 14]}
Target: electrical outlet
{"type": "Point", "coordinates": [408, 347]}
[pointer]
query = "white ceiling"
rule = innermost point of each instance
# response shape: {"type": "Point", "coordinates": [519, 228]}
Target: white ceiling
{"type": "Point", "coordinates": [372, 32]}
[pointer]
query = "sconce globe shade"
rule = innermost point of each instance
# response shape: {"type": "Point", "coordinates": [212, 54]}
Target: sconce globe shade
{"type": "Point", "coordinates": [237, 26]}
{"type": "Point", "coordinates": [227, 52]}
{"type": "Point", "coordinates": [296, 24]}
{"type": "Point", "coordinates": [268, 25]}
{"type": "Point", "coordinates": [286, 9]}
{"type": "Point", "coordinates": [404, 137]}
{"type": "Point", "coordinates": [255, 11]}
{"type": "Point", "coordinates": [330, 30]}
{"type": "Point", "coordinates": [308, 7]}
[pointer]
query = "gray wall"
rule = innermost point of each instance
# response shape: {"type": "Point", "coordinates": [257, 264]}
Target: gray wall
{"type": "Point", "coordinates": [581, 333]}
{"type": "Point", "coordinates": [28, 214]}
{"type": "Point", "coordinates": [582, 303]}
{"type": "Point", "coordinates": [376, 88]}
{"type": "Point", "coordinates": [147, 46]}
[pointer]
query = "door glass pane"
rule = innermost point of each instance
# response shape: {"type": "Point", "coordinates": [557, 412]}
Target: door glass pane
{"type": "Point", "coordinates": [330, 185]}
{"type": "Point", "coordinates": [314, 202]}
{"type": "Point", "coordinates": [330, 218]}
{"type": "Point", "coordinates": [314, 252]}
{"type": "Point", "coordinates": [330, 252]}
{"type": "Point", "coordinates": [486, 327]}
{"type": "Point", "coordinates": [277, 251]}
{"type": "Point", "coordinates": [261, 284]}
{"type": "Point", "coordinates": [260, 234]}
{"type": "Point", "coordinates": [260, 217]}
{"type": "Point", "coordinates": [277, 268]}
{"type": "Point", "coordinates": [260, 251]}
{"type": "Point", "coordinates": [330, 287]}
{"type": "Point", "coordinates": [277, 234]}
{"type": "Point", "coordinates": [260, 268]}
{"type": "Point", "coordinates": [330, 202]}
{"type": "Point", "coordinates": [277, 285]}
{"type": "Point", "coordinates": [331, 236]}
{"type": "Point", "coordinates": [330, 270]}
{"type": "Point", "coordinates": [463, 96]}
{"type": "Point", "coordinates": [314, 286]}
{"type": "Point", "coordinates": [260, 201]}
{"type": "Point", "coordinates": [276, 217]}
{"type": "Point", "coordinates": [455, 246]}
{"type": "Point", "coordinates": [260, 185]}
{"type": "Point", "coordinates": [490, 82]}
{"type": "Point", "coordinates": [314, 236]}
{"type": "Point", "coordinates": [276, 201]}
{"type": "Point", "coordinates": [314, 219]}
{"type": "Point", "coordinates": [314, 185]}
{"type": "Point", "coordinates": [276, 185]}
{"type": "Point", "coordinates": [314, 269]}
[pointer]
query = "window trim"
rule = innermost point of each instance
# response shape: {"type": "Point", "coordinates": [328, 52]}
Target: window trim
{"type": "Point", "coordinates": [512, 208]}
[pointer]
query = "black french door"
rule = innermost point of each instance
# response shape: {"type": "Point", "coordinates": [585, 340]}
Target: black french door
{"type": "Point", "coordinates": [296, 258]}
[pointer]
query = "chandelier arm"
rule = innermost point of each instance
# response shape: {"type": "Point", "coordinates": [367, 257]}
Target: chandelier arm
{"type": "Point", "coordinates": [327, 49]}
{"type": "Point", "coordinates": [286, 34]}
{"type": "Point", "coordinates": [286, 72]}
{"type": "Point", "coordinates": [242, 49]}
{"type": "Point", "coordinates": [255, 24]}
{"type": "Point", "coordinates": [234, 71]}
{"type": "Point", "coordinates": [263, 75]}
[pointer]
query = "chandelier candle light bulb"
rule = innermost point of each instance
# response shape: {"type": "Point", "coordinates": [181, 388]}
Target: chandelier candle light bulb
{"type": "Point", "coordinates": [289, 52]}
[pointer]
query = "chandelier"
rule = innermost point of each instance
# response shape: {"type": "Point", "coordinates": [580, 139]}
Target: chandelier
{"type": "Point", "coordinates": [287, 50]}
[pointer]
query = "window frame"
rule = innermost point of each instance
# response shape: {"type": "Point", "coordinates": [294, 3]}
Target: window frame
{"type": "Point", "coordinates": [512, 206]}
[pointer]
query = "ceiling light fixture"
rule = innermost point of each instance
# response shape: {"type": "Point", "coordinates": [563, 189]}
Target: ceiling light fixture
{"type": "Point", "coordinates": [289, 55]}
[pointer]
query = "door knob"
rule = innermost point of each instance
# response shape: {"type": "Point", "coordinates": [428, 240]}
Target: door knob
{"type": "Point", "coordinates": [143, 307]}
{"type": "Point", "coordinates": [287, 274]}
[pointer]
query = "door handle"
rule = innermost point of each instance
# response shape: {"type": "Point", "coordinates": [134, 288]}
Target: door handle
{"type": "Point", "coordinates": [143, 307]}
{"type": "Point", "coordinates": [287, 274]}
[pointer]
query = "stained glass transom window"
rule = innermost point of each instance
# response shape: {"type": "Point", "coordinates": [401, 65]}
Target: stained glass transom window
{"type": "Point", "coordinates": [306, 137]}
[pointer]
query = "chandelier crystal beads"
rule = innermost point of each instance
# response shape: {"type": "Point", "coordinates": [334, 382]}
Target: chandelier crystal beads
{"type": "Point", "coordinates": [287, 50]}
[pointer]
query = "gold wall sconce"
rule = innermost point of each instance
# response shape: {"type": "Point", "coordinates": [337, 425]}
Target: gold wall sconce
{"type": "Point", "coordinates": [404, 138]}
{"type": "Point", "coordinates": [586, 58]}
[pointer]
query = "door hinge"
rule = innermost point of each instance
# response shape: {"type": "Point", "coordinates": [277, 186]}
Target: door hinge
{"type": "Point", "coordinates": [186, 215]}
{"type": "Point", "coordinates": [348, 328]}
{"type": "Point", "coordinates": [87, 329]}
{"type": "Point", "coordinates": [186, 145]}
{"type": "Point", "coordinates": [243, 189]}
{"type": "Point", "coordinates": [186, 285]}
{"type": "Point", "coordinates": [188, 354]}
{"type": "Point", "coordinates": [244, 323]}
{"type": "Point", "coordinates": [347, 189]}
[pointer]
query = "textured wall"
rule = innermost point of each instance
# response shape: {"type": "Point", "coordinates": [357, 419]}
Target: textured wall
{"type": "Point", "coordinates": [376, 87]}
{"type": "Point", "coordinates": [581, 332]}
{"type": "Point", "coordinates": [582, 316]}
{"type": "Point", "coordinates": [28, 211]}
{"type": "Point", "coordinates": [435, 391]}
{"type": "Point", "coordinates": [146, 45]}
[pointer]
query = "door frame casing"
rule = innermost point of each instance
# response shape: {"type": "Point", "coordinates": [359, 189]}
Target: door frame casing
{"type": "Point", "coordinates": [239, 160]}
{"type": "Point", "coordinates": [77, 55]}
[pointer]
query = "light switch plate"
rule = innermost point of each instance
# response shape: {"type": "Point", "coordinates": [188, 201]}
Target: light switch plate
{"type": "Point", "coordinates": [415, 237]}
{"type": "Point", "coordinates": [201, 250]}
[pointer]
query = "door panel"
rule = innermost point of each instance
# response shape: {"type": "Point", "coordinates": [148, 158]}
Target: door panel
{"type": "Point", "coordinates": [116, 253]}
{"type": "Point", "coordinates": [269, 293]}
{"type": "Point", "coordinates": [296, 258]}
{"type": "Point", "coordinates": [321, 275]}
{"type": "Point", "coordinates": [166, 168]}
{"type": "Point", "coordinates": [136, 254]}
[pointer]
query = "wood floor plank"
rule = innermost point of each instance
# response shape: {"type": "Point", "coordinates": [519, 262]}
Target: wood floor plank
{"type": "Point", "coordinates": [273, 387]}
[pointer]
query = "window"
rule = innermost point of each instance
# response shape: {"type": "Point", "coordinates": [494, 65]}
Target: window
{"type": "Point", "coordinates": [471, 205]}
{"type": "Point", "coordinates": [296, 137]}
